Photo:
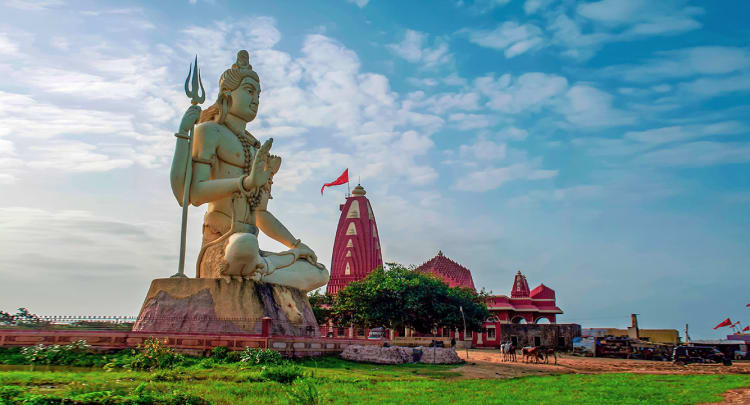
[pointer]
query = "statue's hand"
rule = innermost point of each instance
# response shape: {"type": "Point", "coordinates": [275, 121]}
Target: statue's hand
{"type": "Point", "coordinates": [304, 252]}
{"type": "Point", "coordinates": [191, 116]}
{"type": "Point", "coordinates": [261, 171]}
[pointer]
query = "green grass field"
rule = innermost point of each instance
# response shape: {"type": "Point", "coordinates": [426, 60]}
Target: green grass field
{"type": "Point", "coordinates": [341, 382]}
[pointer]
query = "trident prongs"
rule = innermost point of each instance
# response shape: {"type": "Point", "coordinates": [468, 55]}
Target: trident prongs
{"type": "Point", "coordinates": [196, 97]}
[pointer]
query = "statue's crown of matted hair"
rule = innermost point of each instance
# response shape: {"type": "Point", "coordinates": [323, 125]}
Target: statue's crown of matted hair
{"type": "Point", "coordinates": [241, 69]}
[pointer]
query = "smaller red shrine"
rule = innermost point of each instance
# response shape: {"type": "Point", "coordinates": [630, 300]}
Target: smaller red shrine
{"type": "Point", "coordinates": [523, 305]}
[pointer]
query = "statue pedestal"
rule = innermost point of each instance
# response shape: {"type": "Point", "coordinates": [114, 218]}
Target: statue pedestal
{"type": "Point", "coordinates": [209, 305]}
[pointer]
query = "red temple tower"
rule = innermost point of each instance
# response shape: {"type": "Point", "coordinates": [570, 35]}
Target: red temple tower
{"type": "Point", "coordinates": [356, 249]}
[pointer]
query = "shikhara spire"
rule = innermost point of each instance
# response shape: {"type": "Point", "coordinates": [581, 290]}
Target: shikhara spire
{"type": "Point", "coordinates": [356, 249]}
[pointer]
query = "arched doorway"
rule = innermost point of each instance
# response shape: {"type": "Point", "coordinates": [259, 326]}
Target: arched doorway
{"type": "Point", "coordinates": [542, 320]}
{"type": "Point", "coordinates": [518, 319]}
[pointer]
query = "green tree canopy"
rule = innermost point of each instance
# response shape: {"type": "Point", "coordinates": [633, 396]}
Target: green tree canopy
{"type": "Point", "coordinates": [397, 297]}
{"type": "Point", "coordinates": [321, 306]}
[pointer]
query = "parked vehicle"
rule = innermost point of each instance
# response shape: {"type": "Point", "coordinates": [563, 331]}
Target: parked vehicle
{"type": "Point", "coordinates": [699, 354]}
{"type": "Point", "coordinates": [742, 353]}
{"type": "Point", "coordinates": [377, 333]}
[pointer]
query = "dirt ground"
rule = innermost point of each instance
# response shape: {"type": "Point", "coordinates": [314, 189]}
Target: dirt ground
{"type": "Point", "coordinates": [489, 364]}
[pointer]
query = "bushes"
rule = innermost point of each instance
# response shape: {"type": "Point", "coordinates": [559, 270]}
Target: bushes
{"type": "Point", "coordinates": [78, 395]}
{"type": "Point", "coordinates": [223, 355]}
{"type": "Point", "coordinates": [233, 357]}
{"type": "Point", "coordinates": [12, 355]}
{"type": "Point", "coordinates": [73, 354]}
{"type": "Point", "coordinates": [284, 373]}
{"type": "Point", "coordinates": [219, 352]}
{"type": "Point", "coordinates": [304, 392]}
{"type": "Point", "coordinates": [153, 354]}
{"type": "Point", "coordinates": [260, 356]}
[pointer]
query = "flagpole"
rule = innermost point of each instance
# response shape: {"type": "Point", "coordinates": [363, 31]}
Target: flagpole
{"type": "Point", "coordinates": [348, 190]}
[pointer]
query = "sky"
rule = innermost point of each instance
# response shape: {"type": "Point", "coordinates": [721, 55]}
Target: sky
{"type": "Point", "coordinates": [600, 147]}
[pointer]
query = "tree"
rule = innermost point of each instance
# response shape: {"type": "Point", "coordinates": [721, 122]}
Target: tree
{"type": "Point", "coordinates": [25, 318]}
{"type": "Point", "coordinates": [399, 297]}
{"type": "Point", "coordinates": [6, 318]}
{"type": "Point", "coordinates": [321, 306]}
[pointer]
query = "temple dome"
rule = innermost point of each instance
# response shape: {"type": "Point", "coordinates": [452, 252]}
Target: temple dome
{"type": "Point", "coordinates": [449, 271]}
{"type": "Point", "coordinates": [359, 191]}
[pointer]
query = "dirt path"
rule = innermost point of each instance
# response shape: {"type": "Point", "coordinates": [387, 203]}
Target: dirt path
{"type": "Point", "coordinates": [735, 397]}
{"type": "Point", "coordinates": [489, 364]}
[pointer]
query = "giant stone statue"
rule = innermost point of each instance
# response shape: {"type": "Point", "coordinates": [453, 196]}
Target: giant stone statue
{"type": "Point", "coordinates": [219, 163]}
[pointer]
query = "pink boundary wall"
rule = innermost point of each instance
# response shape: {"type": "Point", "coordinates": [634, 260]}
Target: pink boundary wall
{"type": "Point", "coordinates": [194, 342]}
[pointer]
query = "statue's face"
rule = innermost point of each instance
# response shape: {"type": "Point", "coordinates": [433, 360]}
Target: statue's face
{"type": "Point", "coordinates": [245, 99]}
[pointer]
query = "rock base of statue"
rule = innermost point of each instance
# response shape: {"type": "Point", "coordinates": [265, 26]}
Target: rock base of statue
{"type": "Point", "coordinates": [209, 305]}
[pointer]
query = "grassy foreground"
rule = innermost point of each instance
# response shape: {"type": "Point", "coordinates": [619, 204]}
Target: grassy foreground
{"type": "Point", "coordinates": [341, 382]}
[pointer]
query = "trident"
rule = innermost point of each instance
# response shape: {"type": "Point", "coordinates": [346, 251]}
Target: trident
{"type": "Point", "coordinates": [196, 97]}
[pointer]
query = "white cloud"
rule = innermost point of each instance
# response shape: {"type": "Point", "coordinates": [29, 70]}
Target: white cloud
{"type": "Point", "coordinates": [483, 149]}
{"type": "Point", "coordinates": [512, 134]}
{"type": "Point", "coordinates": [576, 44]}
{"type": "Point", "coordinates": [704, 60]}
{"type": "Point", "coordinates": [414, 49]}
{"type": "Point", "coordinates": [6, 179]}
{"type": "Point", "coordinates": [682, 133]}
{"type": "Point", "coordinates": [712, 87]}
{"type": "Point", "coordinates": [609, 147]}
{"type": "Point", "coordinates": [698, 154]}
{"type": "Point", "coordinates": [581, 29]}
{"type": "Point", "coordinates": [7, 45]}
{"type": "Point", "coordinates": [493, 177]}
{"type": "Point", "coordinates": [532, 6]}
{"type": "Point", "coordinates": [481, 6]}
{"type": "Point", "coordinates": [446, 102]}
{"type": "Point", "coordinates": [586, 106]}
{"type": "Point", "coordinates": [530, 91]}
{"type": "Point", "coordinates": [33, 5]}
{"type": "Point", "coordinates": [21, 118]}
{"type": "Point", "coordinates": [359, 3]}
{"type": "Point", "coordinates": [564, 195]}
{"type": "Point", "coordinates": [642, 17]}
{"type": "Point", "coordinates": [512, 38]}
{"type": "Point", "coordinates": [467, 122]}
{"type": "Point", "coordinates": [73, 156]}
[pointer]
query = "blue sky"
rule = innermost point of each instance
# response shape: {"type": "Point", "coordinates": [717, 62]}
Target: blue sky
{"type": "Point", "coordinates": [599, 147]}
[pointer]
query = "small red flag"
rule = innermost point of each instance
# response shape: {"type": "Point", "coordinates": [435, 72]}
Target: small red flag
{"type": "Point", "coordinates": [723, 323]}
{"type": "Point", "coordinates": [747, 328]}
{"type": "Point", "coordinates": [344, 178]}
{"type": "Point", "coordinates": [748, 305]}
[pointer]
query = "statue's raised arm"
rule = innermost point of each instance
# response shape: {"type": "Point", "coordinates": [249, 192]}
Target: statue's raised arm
{"type": "Point", "coordinates": [233, 173]}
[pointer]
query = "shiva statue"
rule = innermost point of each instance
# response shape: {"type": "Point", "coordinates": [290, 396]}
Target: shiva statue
{"type": "Point", "coordinates": [233, 173]}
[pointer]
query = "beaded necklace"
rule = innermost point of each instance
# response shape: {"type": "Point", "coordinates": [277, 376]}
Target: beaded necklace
{"type": "Point", "coordinates": [253, 199]}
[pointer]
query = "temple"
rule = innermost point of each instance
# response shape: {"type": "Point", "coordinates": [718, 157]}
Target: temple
{"type": "Point", "coordinates": [449, 271]}
{"type": "Point", "coordinates": [507, 313]}
{"type": "Point", "coordinates": [356, 249]}
{"type": "Point", "coordinates": [524, 306]}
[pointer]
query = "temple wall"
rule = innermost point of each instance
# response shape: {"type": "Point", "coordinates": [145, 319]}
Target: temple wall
{"type": "Point", "coordinates": [557, 335]}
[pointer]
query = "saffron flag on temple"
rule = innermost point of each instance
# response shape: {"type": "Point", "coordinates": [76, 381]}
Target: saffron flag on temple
{"type": "Point", "coordinates": [344, 178]}
{"type": "Point", "coordinates": [723, 323]}
{"type": "Point", "coordinates": [748, 305]}
{"type": "Point", "coordinates": [747, 328]}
